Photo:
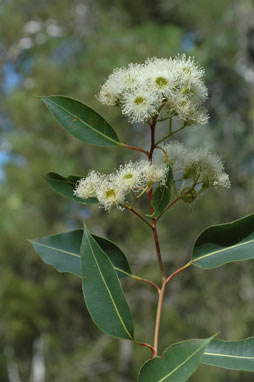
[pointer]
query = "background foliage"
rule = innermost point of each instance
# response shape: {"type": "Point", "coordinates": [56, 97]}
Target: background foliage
{"type": "Point", "coordinates": [69, 49]}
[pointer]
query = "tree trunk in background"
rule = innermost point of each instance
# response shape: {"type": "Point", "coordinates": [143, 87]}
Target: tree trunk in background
{"type": "Point", "coordinates": [125, 361]}
{"type": "Point", "coordinates": [38, 368]}
{"type": "Point", "coordinates": [12, 366]}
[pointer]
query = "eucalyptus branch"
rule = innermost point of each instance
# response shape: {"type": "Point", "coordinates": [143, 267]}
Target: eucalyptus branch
{"type": "Point", "coordinates": [165, 153]}
{"type": "Point", "coordinates": [134, 199]}
{"type": "Point", "coordinates": [168, 206]}
{"type": "Point", "coordinates": [138, 278]}
{"type": "Point", "coordinates": [96, 259]}
{"type": "Point", "coordinates": [149, 282]}
{"type": "Point", "coordinates": [147, 346]}
{"type": "Point", "coordinates": [163, 119]}
{"type": "Point", "coordinates": [178, 130]}
{"type": "Point", "coordinates": [158, 251]}
{"type": "Point", "coordinates": [187, 265]}
{"type": "Point", "coordinates": [176, 200]}
{"type": "Point", "coordinates": [152, 127]}
{"type": "Point", "coordinates": [137, 214]}
{"type": "Point", "coordinates": [170, 133]}
{"type": "Point", "coordinates": [134, 148]}
{"type": "Point", "coordinates": [160, 304]}
{"type": "Point", "coordinates": [155, 236]}
{"type": "Point", "coordinates": [158, 317]}
{"type": "Point", "coordinates": [143, 192]}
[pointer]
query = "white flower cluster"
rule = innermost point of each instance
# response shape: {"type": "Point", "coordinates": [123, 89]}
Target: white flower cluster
{"type": "Point", "coordinates": [198, 166]}
{"type": "Point", "coordinates": [169, 87]}
{"type": "Point", "coordinates": [112, 189]}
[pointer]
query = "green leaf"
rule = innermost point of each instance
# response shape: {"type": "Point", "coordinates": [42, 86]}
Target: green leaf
{"type": "Point", "coordinates": [234, 355]}
{"type": "Point", "coordinates": [178, 363]}
{"type": "Point", "coordinates": [102, 291]}
{"type": "Point", "coordinates": [161, 196]}
{"type": "Point", "coordinates": [81, 121]}
{"type": "Point", "coordinates": [63, 252]}
{"type": "Point", "coordinates": [224, 243]}
{"type": "Point", "coordinates": [115, 255]}
{"type": "Point", "coordinates": [66, 186]}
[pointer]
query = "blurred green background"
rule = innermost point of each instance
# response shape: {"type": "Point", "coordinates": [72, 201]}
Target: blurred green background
{"type": "Point", "coordinates": [69, 47]}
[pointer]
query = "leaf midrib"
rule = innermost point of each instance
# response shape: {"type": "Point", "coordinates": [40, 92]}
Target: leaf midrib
{"type": "Point", "coordinates": [74, 255]}
{"type": "Point", "coordinates": [55, 249]}
{"type": "Point", "coordinates": [181, 364]}
{"type": "Point", "coordinates": [108, 290]}
{"type": "Point", "coordinates": [85, 123]}
{"type": "Point", "coordinates": [222, 250]}
{"type": "Point", "coordinates": [228, 356]}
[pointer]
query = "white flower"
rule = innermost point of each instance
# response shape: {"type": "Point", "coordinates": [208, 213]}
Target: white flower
{"type": "Point", "coordinates": [222, 180]}
{"type": "Point", "coordinates": [140, 105]}
{"type": "Point", "coordinates": [153, 172]}
{"type": "Point", "coordinates": [87, 187]}
{"type": "Point", "coordinates": [110, 193]}
{"type": "Point", "coordinates": [177, 154]}
{"type": "Point", "coordinates": [118, 83]}
{"type": "Point", "coordinates": [189, 111]}
{"type": "Point", "coordinates": [198, 166]}
{"type": "Point", "coordinates": [159, 63]}
{"type": "Point", "coordinates": [187, 70]}
{"type": "Point", "coordinates": [113, 188]}
{"type": "Point", "coordinates": [206, 167]}
{"type": "Point", "coordinates": [169, 86]}
{"type": "Point", "coordinates": [107, 96]}
{"type": "Point", "coordinates": [128, 176]}
{"type": "Point", "coordinates": [160, 79]}
{"type": "Point", "coordinates": [135, 176]}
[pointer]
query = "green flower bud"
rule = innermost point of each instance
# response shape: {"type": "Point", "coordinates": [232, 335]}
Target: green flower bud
{"type": "Point", "coordinates": [189, 195]}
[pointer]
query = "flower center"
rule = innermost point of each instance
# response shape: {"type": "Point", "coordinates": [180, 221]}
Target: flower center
{"type": "Point", "coordinates": [128, 176]}
{"type": "Point", "coordinates": [111, 194]}
{"type": "Point", "coordinates": [161, 81]}
{"type": "Point", "coordinates": [139, 100]}
{"type": "Point", "coordinates": [185, 90]}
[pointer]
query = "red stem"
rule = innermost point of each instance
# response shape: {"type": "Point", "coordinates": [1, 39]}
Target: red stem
{"type": "Point", "coordinates": [148, 282]}
{"type": "Point", "coordinates": [155, 236]}
{"type": "Point", "coordinates": [152, 126]}
{"type": "Point", "coordinates": [148, 346]}
{"type": "Point", "coordinates": [137, 214]}
{"type": "Point", "coordinates": [158, 317]}
{"type": "Point", "coordinates": [136, 149]}
{"type": "Point", "coordinates": [178, 271]}
{"type": "Point", "coordinates": [169, 205]}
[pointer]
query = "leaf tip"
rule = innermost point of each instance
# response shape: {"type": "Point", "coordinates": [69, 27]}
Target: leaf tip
{"type": "Point", "coordinates": [30, 241]}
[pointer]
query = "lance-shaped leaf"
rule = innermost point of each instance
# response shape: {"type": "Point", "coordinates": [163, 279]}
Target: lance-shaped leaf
{"type": "Point", "coordinates": [161, 196]}
{"type": "Point", "coordinates": [63, 252]}
{"type": "Point", "coordinates": [234, 355]}
{"type": "Point", "coordinates": [81, 121]}
{"type": "Point", "coordinates": [66, 186]}
{"type": "Point", "coordinates": [178, 363]}
{"type": "Point", "coordinates": [224, 243]}
{"type": "Point", "coordinates": [102, 291]}
{"type": "Point", "coordinates": [115, 255]}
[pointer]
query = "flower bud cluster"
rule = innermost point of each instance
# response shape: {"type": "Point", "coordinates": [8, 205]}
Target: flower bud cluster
{"type": "Point", "coordinates": [197, 167]}
{"type": "Point", "coordinates": [113, 188]}
{"type": "Point", "coordinates": [168, 87]}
